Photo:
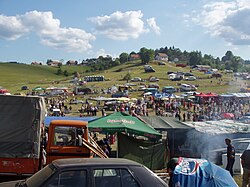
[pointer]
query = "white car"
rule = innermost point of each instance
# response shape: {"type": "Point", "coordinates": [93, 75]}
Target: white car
{"type": "Point", "coordinates": [187, 88]}
{"type": "Point", "coordinates": [190, 78]}
{"type": "Point", "coordinates": [142, 88]}
{"type": "Point", "coordinates": [153, 79]}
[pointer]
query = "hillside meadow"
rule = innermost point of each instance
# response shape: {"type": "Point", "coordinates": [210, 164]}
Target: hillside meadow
{"type": "Point", "coordinates": [14, 76]}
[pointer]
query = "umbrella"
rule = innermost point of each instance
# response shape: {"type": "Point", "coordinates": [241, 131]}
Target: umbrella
{"type": "Point", "coordinates": [148, 93]}
{"type": "Point", "coordinates": [201, 173]}
{"type": "Point", "coordinates": [124, 99]}
{"type": "Point", "coordinates": [228, 115]}
{"type": "Point", "coordinates": [123, 122]}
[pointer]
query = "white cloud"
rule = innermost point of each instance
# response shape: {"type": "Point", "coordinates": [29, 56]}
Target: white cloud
{"type": "Point", "coordinates": [48, 29]}
{"type": "Point", "coordinates": [11, 28]}
{"type": "Point", "coordinates": [152, 24]}
{"type": "Point", "coordinates": [119, 25]}
{"type": "Point", "coordinates": [229, 20]}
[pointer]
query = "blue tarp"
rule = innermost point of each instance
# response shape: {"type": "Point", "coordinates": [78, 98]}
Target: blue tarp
{"type": "Point", "coordinates": [201, 173]}
{"type": "Point", "coordinates": [48, 119]}
{"type": "Point", "coordinates": [159, 95]}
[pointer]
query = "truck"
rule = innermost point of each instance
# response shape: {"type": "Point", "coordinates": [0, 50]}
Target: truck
{"type": "Point", "coordinates": [27, 145]}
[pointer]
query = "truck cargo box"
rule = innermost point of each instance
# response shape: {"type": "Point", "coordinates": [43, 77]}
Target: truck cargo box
{"type": "Point", "coordinates": [21, 118]}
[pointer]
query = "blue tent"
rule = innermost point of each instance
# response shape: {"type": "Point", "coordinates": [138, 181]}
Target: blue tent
{"type": "Point", "coordinates": [48, 119]}
{"type": "Point", "coordinates": [201, 173]}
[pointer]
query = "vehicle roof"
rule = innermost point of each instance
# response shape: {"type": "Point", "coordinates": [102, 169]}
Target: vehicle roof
{"type": "Point", "coordinates": [76, 162]}
{"type": "Point", "coordinates": [168, 87]}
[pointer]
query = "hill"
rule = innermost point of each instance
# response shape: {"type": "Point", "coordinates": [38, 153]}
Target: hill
{"type": "Point", "coordinates": [13, 76]}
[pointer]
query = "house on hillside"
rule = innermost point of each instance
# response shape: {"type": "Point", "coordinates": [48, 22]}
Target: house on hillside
{"type": "Point", "coordinates": [203, 68]}
{"type": "Point", "coordinates": [54, 63]}
{"type": "Point", "coordinates": [85, 63]}
{"type": "Point", "coordinates": [134, 57]}
{"type": "Point", "coordinates": [71, 62]}
{"type": "Point", "coordinates": [161, 56]}
{"type": "Point", "coordinates": [36, 63]}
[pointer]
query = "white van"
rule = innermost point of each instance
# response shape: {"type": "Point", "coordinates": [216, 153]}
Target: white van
{"type": "Point", "coordinates": [187, 88]}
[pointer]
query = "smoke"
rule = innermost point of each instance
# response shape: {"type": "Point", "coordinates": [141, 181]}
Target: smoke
{"type": "Point", "coordinates": [203, 145]}
{"type": "Point", "coordinates": [209, 146]}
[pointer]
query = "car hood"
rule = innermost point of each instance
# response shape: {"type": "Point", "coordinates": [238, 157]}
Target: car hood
{"type": "Point", "coordinates": [11, 183]}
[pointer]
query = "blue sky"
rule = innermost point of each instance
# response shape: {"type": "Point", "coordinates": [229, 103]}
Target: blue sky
{"type": "Point", "coordinates": [80, 29]}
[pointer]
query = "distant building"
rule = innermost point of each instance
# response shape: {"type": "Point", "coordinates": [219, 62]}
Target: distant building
{"type": "Point", "coordinates": [36, 63]}
{"type": "Point", "coordinates": [161, 56]}
{"type": "Point", "coordinates": [71, 62]}
{"type": "Point", "coordinates": [134, 57]}
{"type": "Point", "coordinates": [54, 63]}
{"type": "Point", "coordinates": [202, 67]}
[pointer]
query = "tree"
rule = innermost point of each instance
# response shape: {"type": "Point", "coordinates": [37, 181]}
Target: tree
{"type": "Point", "coordinates": [59, 71]}
{"type": "Point", "coordinates": [228, 56]}
{"type": "Point", "coordinates": [49, 61]}
{"type": "Point", "coordinates": [146, 55]}
{"type": "Point", "coordinates": [127, 77]}
{"type": "Point", "coordinates": [65, 73]}
{"type": "Point", "coordinates": [123, 57]}
{"type": "Point", "coordinates": [195, 58]}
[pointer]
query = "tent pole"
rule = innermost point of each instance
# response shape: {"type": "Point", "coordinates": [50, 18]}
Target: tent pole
{"type": "Point", "coordinates": [117, 147]}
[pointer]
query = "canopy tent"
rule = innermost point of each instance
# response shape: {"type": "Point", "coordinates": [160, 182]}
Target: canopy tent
{"type": "Point", "coordinates": [38, 88]}
{"type": "Point", "coordinates": [241, 95]}
{"type": "Point", "coordinates": [100, 98]}
{"type": "Point", "coordinates": [220, 127]}
{"type": "Point", "coordinates": [164, 123]}
{"type": "Point", "coordinates": [123, 122]}
{"type": "Point", "coordinates": [206, 95]}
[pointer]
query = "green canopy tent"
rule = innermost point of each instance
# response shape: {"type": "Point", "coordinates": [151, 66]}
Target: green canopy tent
{"type": "Point", "coordinates": [123, 122]}
{"type": "Point", "coordinates": [38, 89]}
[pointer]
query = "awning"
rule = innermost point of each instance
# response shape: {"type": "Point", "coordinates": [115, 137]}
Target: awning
{"type": "Point", "coordinates": [123, 122]}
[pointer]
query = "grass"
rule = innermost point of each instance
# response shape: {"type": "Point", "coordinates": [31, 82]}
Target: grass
{"type": "Point", "coordinates": [13, 76]}
{"type": "Point", "coordinates": [238, 179]}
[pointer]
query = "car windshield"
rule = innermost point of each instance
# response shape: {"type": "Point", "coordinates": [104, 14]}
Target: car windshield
{"type": "Point", "coordinates": [38, 178]}
{"type": "Point", "coordinates": [241, 146]}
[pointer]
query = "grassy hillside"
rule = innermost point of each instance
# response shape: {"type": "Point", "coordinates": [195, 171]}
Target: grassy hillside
{"type": "Point", "coordinates": [13, 76]}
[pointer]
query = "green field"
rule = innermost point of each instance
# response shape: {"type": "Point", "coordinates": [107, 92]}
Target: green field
{"type": "Point", "coordinates": [14, 76]}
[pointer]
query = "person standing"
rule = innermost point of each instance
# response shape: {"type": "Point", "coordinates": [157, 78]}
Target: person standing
{"type": "Point", "coordinates": [245, 161]}
{"type": "Point", "coordinates": [230, 156]}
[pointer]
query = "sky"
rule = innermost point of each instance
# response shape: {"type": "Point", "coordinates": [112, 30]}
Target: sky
{"type": "Point", "coordinates": [76, 30]}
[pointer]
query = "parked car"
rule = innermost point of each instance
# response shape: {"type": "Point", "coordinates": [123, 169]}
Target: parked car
{"type": "Point", "coordinates": [187, 88]}
{"type": "Point", "coordinates": [91, 172]}
{"type": "Point", "coordinates": [161, 63]}
{"type": "Point", "coordinates": [153, 85]}
{"type": "Point", "coordinates": [24, 88]}
{"type": "Point", "coordinates": [148, 68]}
{"type": "Point", "coordinates": [218, 75]}
{"type": "Point", "coordinates": [168, 89]}
{"type": "Point", "coordinates": [190, 78]}
{"type": "Point", "coordinates": [240, 144]}
{"type": "Point", "coordinates": [119, 94]}
{"type": "Point", "coordinates": [188, 74]}
{"type": "Point", "coordinates": [136, 79]}
{"type": "Point", "coordinates": [142, 88]}
{"type": "Point", "coordinates": [154, 79]}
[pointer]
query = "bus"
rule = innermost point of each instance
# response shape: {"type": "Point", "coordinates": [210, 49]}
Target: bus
{"type": "Point", "coordinates": [95, 78]}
